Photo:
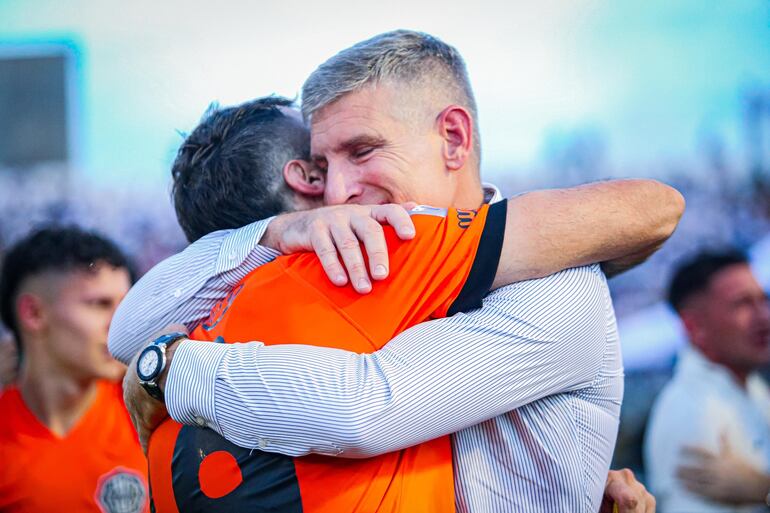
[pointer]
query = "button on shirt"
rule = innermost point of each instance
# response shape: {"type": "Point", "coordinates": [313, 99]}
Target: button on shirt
{"type": "Point", "coordinates": [702, 403]}
{"type": "Point", "coordinates": [531, 383]}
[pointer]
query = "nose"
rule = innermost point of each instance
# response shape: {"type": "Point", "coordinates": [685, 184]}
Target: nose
{"type": "Point", "coordinates": [342, 184]}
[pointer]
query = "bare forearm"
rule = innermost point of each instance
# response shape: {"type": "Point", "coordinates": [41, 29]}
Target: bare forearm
{"type": "Point", "coordinates": [618, 222]}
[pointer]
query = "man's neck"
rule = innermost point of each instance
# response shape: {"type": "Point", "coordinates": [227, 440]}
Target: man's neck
{"type": "Point", "coordinates": [469, 195]}
{"type": "Point", "coordinates": [739, 375]}
{"type": "Point", "coordinates": [57, 399]}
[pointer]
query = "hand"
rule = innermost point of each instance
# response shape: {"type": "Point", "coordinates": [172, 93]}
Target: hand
{"type": "Point", "coordinates": [329, 230]}
{"type": "Point", "coordinates": [624, 494]}
{"type": "Point", "coordinates": [146, 412]}
{"type": "Point", "coordinates": [723, 476]}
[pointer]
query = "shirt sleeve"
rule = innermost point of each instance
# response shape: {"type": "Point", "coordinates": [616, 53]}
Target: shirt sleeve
{"type": "Point", "coordinates": [183, 288]}
{"type": "Point", "coordinates": [530, 340]}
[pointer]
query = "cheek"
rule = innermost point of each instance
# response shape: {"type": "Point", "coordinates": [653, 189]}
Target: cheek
{"type": "Point", "coordinates": [381, 175]}
{"type": "Point", "coordinates": [84, 330]}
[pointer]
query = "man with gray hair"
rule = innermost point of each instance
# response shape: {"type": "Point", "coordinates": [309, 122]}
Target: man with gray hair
{"type": "Point", "coordinates": [393, 120]}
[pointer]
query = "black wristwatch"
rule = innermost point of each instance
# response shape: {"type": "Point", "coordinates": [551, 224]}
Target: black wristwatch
{"type": "Point", "coordinates": [152, 361]}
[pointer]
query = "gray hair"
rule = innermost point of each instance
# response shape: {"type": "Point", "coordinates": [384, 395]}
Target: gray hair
{"type": "Point", "coordinates": [401, 56]}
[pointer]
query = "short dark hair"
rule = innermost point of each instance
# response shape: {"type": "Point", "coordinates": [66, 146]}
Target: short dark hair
{"type": "Point", "coordinates": [52, 248]}
{"type": "Point", "coordinates": [228, 171]}
{"type": "Point", "coordinates": [694, 274]}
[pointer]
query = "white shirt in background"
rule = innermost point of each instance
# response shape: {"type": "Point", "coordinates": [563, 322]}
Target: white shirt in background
{"type": "Point", "coordinates": [702, 402]}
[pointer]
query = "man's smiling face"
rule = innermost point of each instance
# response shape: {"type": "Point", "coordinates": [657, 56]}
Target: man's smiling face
{"type": "Point", "coordinates": [375, 150]}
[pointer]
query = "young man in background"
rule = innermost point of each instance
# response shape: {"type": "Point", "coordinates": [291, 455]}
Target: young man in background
{"type": "Point", "coordinates": [66, 441]}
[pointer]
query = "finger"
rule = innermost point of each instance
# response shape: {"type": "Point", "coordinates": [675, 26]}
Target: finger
{"type": "Point", "coordinates": [684, 472]}
{"type": "Point", "coordinates": [697, 453]}
{"type": "Point", "coordinates": [627, 505]}
{"type": "Point", "coordinates": [693, 486]}
{"type": "Point", "coordinates": [694, 475]}
{"type": "Point", "coordinates": [409, 205]}
{"type": "Point", "coordinates": [349, 249]}
{"type": "Point", "coordinates": [370, 232]}
{"type": "Point", "coordinates": [650, 502]}
{"type": "Point", "coordinates": [397, 217]}
{"type": "Point", "coordinates": [323, 245]}
{"type": "Point", "coordinates": [623, 496]}
{"type": "Point", "coordinates": [630, 495]}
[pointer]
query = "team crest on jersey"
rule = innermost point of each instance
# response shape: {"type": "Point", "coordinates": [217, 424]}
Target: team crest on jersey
{"type": "Point", "coordinates": [121, 490]}
{"type": "Point", "coordinates": [465, 218]}
{"type": "Point", "coordinates": [220, 309]}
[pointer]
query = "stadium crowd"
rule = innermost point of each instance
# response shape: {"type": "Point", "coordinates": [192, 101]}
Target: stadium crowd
{"type": "Point", "coordinates": [485, 375]}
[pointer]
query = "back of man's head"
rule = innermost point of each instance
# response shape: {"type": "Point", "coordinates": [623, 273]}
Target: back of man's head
{"type": "Point", "coordinates": [228, 172]}
{"type": "Point", "coordinates": [423, 64]}
{"type": "Point", "coordinates": [51, 250]}
{"type": "Point", "coordinates": [694, 275]}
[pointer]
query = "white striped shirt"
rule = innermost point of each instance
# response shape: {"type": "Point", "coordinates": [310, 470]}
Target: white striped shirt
{"type": "Point", "coordinates": [531, 383]}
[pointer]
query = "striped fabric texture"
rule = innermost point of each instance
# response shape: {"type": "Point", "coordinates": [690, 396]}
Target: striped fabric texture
{"type": "Point", "coordinates": [531, 384]}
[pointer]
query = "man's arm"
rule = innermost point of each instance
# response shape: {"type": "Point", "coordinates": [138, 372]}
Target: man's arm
{"type": "Point", "coordinates": [435, 378]}
{"type": "Point", "coordinates": [618, 223]}
{"type": "Point", "coordinates": [184, 288]}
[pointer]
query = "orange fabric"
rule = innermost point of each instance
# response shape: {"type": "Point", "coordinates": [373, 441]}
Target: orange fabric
{"type": "Point", "coordinates": [98, 463]}
{"type": "Point", "coordinates": [162, 450]}
{"type": "Point", "coordinates": [291, 301]}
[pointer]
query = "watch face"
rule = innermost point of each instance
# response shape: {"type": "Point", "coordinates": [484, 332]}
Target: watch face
{"type": "Point", "coordinates": [148, 364]}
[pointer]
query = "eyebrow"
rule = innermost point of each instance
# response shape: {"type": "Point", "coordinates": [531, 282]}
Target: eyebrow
{"type": "Point", "coordinates": [351, 144]}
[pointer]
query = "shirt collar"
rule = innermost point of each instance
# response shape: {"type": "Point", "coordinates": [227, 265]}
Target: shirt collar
{"type": "Point", "coordinates": [694, 364]}
{"type": "Point", "coordinates": [491, 193]}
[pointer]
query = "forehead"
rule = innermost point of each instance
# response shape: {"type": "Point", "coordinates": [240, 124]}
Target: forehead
{"type": "Point", "coordinates": [733, 281]}
{"type": "Point", "coordinates": [368, 112]}
{"type": "Point", "coordinates": [103, 279]}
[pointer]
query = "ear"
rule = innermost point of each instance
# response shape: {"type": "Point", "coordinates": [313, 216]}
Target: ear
{"type": "Point", "coordinates": [694, 328]}
{"type": "Point", "coordinates": [304, 178]}
{"type": "Point", "coordinates": [455, 125]}
{"type": "Point", "coordinates": [30, 312]}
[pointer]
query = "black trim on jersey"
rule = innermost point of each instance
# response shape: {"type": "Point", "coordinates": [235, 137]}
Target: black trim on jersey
{"type": "Point", "coordinates": [484, 267]}
{"type": "Point", "coordinates": [269, 480]}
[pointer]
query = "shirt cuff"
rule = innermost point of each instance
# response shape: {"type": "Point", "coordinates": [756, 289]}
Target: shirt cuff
{"type": "Point", "coordinates": [239, 244]}
{"type": "Point", "coordinates": [191, 381]}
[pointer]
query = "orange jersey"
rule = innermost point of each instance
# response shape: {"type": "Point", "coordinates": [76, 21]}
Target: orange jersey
{"type": "Point", "coordinates": [448, 267]}
{"type": "Point", "coordinates": [98, 466]}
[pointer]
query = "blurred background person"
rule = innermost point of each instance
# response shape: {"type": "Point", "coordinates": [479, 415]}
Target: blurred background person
{"type": "Point", "coordinates": [66, 442]}
{"type": "Point", "coordinates": [708, 441]}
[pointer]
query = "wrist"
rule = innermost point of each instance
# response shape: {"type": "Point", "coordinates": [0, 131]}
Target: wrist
{"type": "Point", "coordinates": [153, 361]}
{"type": "Point", "coordinates": [274, 231]}
{"type": "Point", "coordinates": [170, 350]}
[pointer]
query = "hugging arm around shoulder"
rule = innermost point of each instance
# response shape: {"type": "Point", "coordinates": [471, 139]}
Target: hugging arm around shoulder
{"type": "Point", "coordinates": [529, 340]}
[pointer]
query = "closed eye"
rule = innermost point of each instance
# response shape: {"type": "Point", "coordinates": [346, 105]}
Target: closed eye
{"type": "Point", "coordinates": [363, 152]}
